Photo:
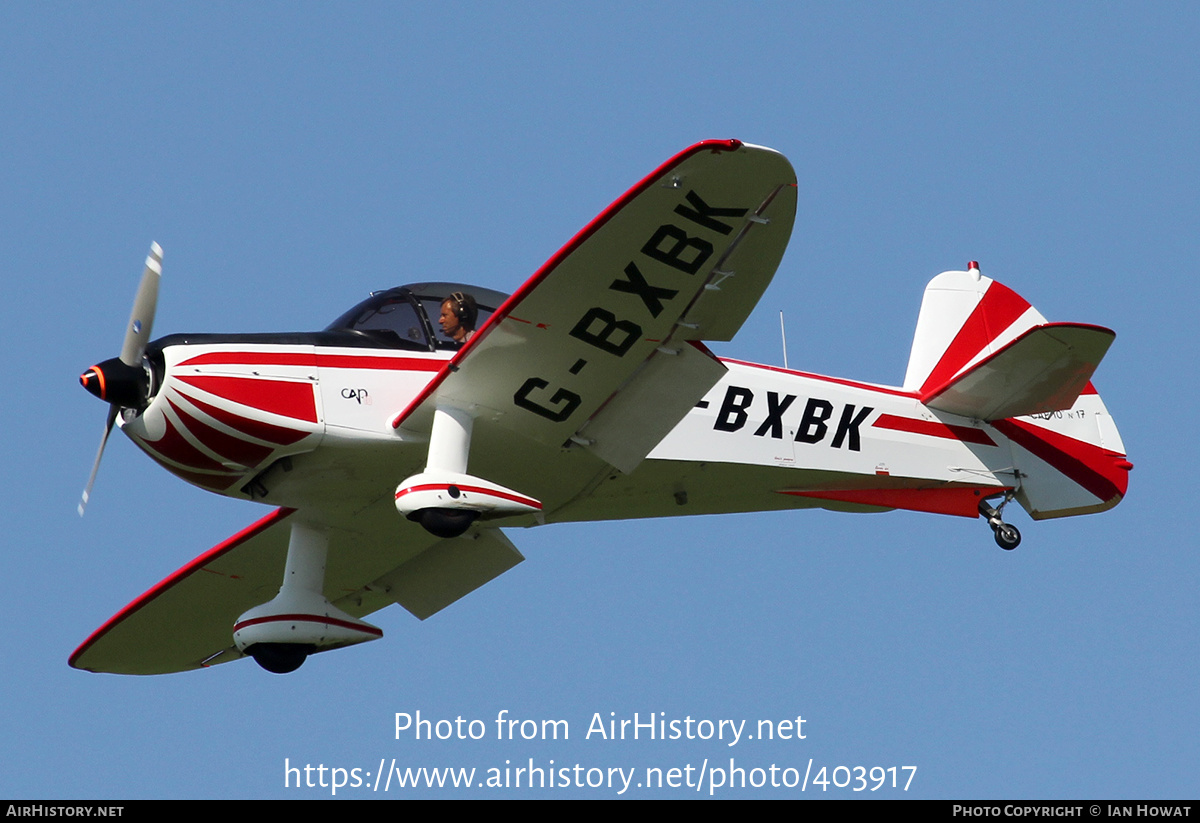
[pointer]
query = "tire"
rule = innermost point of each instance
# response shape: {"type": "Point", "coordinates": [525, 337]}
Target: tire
{"type": "Point", "coordinates": [279, 658]}
{"type": "Point", "coordinates": [445, 523]}
{"type": "Point", "coordinates": [1007, 537]}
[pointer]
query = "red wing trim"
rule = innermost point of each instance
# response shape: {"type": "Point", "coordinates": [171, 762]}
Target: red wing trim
{"type": "Point", "coordinates": [1103, 473]}
{"type": "Point", "coordinates": [196, 565]}
{"type": "Point", "coordinates": [958, 500]}
{"type": "Point", "coordinates": [541, 274]}
{"type": "Point", "coordinates": [699, 346]}
{"type": "Point", "coordinates": [933, 428]}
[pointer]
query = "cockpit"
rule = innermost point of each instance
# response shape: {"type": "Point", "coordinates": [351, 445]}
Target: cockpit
{"type": "Point", "coordinates": [406, 317]}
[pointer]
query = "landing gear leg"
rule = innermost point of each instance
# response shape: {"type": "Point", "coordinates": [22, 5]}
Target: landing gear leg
{"type": "Point", "coordinates": [449, 447]}
{"type": "Point", "coordinates": [299, 621]}
{"type": "Point", "coordinates": [446, 500]}
{"type": "Point", "coordinates": [1007, 536]}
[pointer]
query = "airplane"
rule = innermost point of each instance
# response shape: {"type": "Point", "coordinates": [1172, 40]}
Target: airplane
{"type": "Point", "coordinates": [397, 443]}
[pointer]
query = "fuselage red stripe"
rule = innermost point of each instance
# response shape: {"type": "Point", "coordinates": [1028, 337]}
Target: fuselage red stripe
{"type": "Point", "coordinates": [173, 446]}
{"type": "Point", "coordinates": [358, 361]}
{"type": "Point", "coordinates": [316, 359]}
{"type": "Point", "coordinates": [252, 428]}
{"type": "Point", "coordinates": [933, 428]}
{"type": "Point", "coordinates": [961, 501]}
{"type": "Point", "coordinates": [226, 445]}
{"type": "Point", "coordinates": [854, 384]}
{"type": "Point", "coordinates": [283, 397]}
{"type": "Point", "coordinates": [251, 358]}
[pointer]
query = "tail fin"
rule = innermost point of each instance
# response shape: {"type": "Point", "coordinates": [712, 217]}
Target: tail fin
{"type": "Point", "coordinates": [982, 351]}
{"type": "Point", "coordinates": [964, 316]}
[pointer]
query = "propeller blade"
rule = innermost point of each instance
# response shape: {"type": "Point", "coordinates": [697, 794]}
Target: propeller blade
{"type": "Point", "coordinates": [141, 320]}
{"type": "Point", "coordinates": [137, 335]}
{"type": "Point", "coordinates": [112, 417]}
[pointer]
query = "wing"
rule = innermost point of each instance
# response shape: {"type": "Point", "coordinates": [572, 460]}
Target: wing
{"type": "Point", "coordinates": [601, 347]}
{"type": "Point", "coordinates": [186, 621]}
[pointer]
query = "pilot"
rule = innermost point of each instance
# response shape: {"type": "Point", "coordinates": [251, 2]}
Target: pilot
{"type": "Point", "coordinates": [459, 313]}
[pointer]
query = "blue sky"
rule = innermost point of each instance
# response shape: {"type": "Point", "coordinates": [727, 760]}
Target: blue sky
{"type": "Point", "coordinates": [291, 157]}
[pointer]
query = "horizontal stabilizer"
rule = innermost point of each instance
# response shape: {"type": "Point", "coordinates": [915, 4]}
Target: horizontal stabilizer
{"type": "Point", "coordinates": [1043, 370]}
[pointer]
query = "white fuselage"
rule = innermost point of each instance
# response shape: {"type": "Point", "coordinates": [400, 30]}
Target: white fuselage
{"type": "Point", "coordinates": [227, 417]}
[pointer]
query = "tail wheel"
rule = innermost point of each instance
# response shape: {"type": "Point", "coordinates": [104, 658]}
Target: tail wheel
{"type": "Point", "coordinates": [1007, 536]}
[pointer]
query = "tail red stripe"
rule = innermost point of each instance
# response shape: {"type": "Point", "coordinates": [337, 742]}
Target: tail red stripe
{"type": "Point", "coordinates": [999, 309]}
{"type": "Point", "coordinates": [1102, 472]}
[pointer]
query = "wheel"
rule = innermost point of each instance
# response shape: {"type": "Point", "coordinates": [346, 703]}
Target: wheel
{"type": "Point", "coordinates": [445, 522]}
{"type": "Point", "coordinates": [1007, 537]}
{"type": "Point", "coordinates": [279, 658]}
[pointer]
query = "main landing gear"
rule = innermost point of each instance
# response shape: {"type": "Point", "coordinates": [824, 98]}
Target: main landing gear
{"type": "Point", "coordinates": [1007, 536]}
{"type": "Point", "coordinates": [299, 621]}
{"type": "Point", "coordinates": [446, 500]}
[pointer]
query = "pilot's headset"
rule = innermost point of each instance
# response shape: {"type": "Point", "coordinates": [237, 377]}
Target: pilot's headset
{"type": "Point", "coordinates": [465, 309]}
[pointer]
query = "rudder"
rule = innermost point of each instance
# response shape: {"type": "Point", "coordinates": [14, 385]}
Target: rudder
{"type": "Point", "coordinates": [964, 318]}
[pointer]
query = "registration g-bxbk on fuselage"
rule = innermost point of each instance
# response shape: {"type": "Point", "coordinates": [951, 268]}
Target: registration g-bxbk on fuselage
{"type": "Point", "coordinates": [396, 443]}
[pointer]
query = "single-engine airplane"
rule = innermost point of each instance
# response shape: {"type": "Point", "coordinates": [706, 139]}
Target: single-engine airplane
{"type": "Point", "coordinates": [397, 442]}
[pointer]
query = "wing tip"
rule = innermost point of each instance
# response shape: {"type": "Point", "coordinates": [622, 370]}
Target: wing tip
{"type": "Point", "coordinates": [137, 603]}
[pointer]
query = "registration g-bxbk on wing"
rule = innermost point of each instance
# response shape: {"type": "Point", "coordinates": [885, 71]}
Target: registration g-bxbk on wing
{"type": "Point", "coordinates": [398, 442]}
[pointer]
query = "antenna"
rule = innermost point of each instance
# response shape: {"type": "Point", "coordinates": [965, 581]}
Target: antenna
{"type": "Point", "coordinates": [783, 335]}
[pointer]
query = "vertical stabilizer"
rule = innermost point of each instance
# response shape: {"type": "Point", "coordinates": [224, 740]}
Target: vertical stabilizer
{"type": "Point", "coordinates": [965, 317]}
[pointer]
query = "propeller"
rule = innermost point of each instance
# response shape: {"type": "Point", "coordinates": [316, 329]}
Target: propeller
{"type": "Point", "coordinates": [122, 381]}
